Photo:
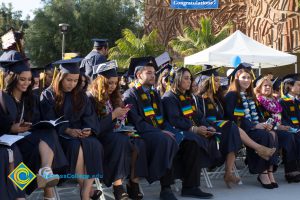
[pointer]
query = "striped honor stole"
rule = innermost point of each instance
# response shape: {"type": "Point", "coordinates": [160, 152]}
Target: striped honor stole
{"type": "Point", "coordinates": [187, 107]}
{"type": "Point", "coordinates": [291, 109]}
{"type": "Point", "coordinates": [221, 123]}
{"type": "Point", "coordinates": [239, 112]}
{"type": "Point", "coordinates": [150, 109]}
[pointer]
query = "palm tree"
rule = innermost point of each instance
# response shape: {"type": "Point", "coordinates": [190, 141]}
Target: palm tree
{"type": "Point", "coordinates": [197, 39]}
{"type": "Point", "coordinates": [130, 46]}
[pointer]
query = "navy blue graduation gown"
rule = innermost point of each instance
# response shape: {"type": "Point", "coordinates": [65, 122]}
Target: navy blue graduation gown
{"type": "Point", "coordinates": [8, 190]}
{"type": "Point", "coordinates": [85, 118]}
{"type": "Point", "coordinates": [117, 158]}
{"type": "Point", "coordinates": [11, 55]}
{"type": "Point", "coordinates": [161, 149]}
{"type": "Point", "coordinates": [93, 58]}
{"type": "Point", "coordinates": [175, 117]}
{"type": "Point", "coordinates": [234, 111]}
{"type": "Point", "coordinates": [29, 145]}
{"type": "Point", "coordinates": [230, 140]}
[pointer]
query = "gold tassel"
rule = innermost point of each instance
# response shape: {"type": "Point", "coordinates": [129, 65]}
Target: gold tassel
{"type": "Point", "coordinates": [44, 79]}
{"type": "Point", "coordinates": [54, 75]}
{"type": "Point", "coordinates": [213, 83]}
{"type": "Point", "coordinates": [1, 80]}
{"type": "Point", "coordinates": [99, 90]}
{"type": "Point", "coordinates": [281, 89]}
{"type": "Point", "coordinates": [254, 77]}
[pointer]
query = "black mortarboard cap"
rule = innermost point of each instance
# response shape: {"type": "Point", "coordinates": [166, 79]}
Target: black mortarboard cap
{"type": "Point", "coordinates": [276, 83]}
{"type": "Point", "coordinates": [108, 69]}
{"type": "Point", "coordinates": [137, 63]}
{"type": "Point", "coordinates": [291, 78]}
{"type": "Point", "coordinates": [70, 66]}
{"type": "Point", "coordinates": [36, 71]}
{"type": "Point", "coordinates": [257, 79]}
{"type": "Point", "coordinates": [49, 66]}
{"type": "Point", "coordinates": [16, 66]}
{"type": "Point", "coordinates": [209, 72]}
{"type": "Point", "coordinates": [163, 68]}
{"type": "Point", "coordinates": [11, 55]}
{"type": "Point", "coordinates": [100, 42]}
{"type": "Point", "coordinates": [240, 66]}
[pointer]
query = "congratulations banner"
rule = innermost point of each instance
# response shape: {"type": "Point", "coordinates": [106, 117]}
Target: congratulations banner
{"type": "Point", "coordinates": [194, 4]}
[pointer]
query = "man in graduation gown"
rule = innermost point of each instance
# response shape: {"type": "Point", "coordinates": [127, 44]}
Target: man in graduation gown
{"type": "Point", "coordinates": [146, 114]}
{"type": "Point", "coordinates": [97, 56]}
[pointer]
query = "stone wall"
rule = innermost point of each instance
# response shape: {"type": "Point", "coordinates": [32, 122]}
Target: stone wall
{"type": "Point", "coordinates": [272, 22]}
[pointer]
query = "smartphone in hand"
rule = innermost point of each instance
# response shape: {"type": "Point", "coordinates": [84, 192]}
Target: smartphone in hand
{"type": "Point", "coordinates": [86, 129]}
{"type": "Point", "coordinates": [26, 124]}
{"type": "Point", "coordinates": [128, 106]}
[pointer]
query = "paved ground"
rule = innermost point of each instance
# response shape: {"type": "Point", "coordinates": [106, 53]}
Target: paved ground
{"type": "Point", "coordinates": [249, 190]}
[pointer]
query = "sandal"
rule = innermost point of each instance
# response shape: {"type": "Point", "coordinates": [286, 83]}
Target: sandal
{"type": "Point", "coordinates": [46, 178]}
{"type": "Point", "coordinates": [120, 193]}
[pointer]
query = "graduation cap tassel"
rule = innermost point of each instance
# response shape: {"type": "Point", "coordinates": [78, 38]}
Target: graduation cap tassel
{"type": "Point", "coordinates": [1, 80]}
{"type": "Point", "coordinates": [44, 79]}
{"type": "Point", "coordinates": [213, 83]}
{"type": "Point", "coordinates": [281, 89]}
{"type": "Point", "coordinates": [254, 77]}
{"type": "Point", "coordinates": [54, 75]}
{"type": "Point", "coordinates": [99, 90]}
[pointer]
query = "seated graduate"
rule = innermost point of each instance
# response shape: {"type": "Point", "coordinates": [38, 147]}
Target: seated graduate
{"type": "Point", "coordinates": [161, 147]}
{"type": "Point", "coordinates": [78, 137]}
{"type": "Point", "coordinates": [162, 84]}
{"type": "Point", "coordinates": [128, 158]}
{"type": "Point", "coordinates": [289, 117]}
{"type": "Point", "coordinates": [41, 149]}
{"type": "Point", "coordinates": [10, 158]}
{"type": "Point", "coordinates": [147, 116]}
{"type": "Point", "coordinates": [241, 107]}
{"type": "Point", "coordinates": [209, 102]}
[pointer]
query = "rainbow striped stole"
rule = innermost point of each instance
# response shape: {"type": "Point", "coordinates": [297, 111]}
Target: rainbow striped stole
{"type": "Point", "coordinates": [221, 123]}
{"type": "Point", "coordinates": [287, 99]}
{"type": "Point", "coordinates": [151, 112]}
{"type": "Point", "coordinates": [295, 121]}
{"type": "Point", "coordinates": [187, 108]}
{"type": "Point", "coordinates": [239, 112]}
{"type": "Point", "coordinates": [212, 118]}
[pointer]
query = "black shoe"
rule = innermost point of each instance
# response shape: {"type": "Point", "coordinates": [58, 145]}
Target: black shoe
{"type": "Point", "coordinates": [120, 193]}
{"type": "Point", "coordinates": [96, 195]}
{"type": "Point", "coordinates": [133, 190]}
{"type": "Point", "coordinates": [196, 193]}
{"type": "Point", "coordinates": [267, 186]}
{"type": "Point", "coordinates": [275, 185]}
{"type": "Point", "coordinates": [292, 178]}
{"type": "Point", "coordinates": [167, 194]}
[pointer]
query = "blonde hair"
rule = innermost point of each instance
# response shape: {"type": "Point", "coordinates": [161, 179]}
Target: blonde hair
{"type": "Point", "coordinates": [259, 84]}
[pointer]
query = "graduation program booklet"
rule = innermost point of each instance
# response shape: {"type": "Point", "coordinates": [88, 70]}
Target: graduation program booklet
{"type": "Point", "coordinates": [50, 123]}
{"type": "Point", "coordinates": [9, 140]}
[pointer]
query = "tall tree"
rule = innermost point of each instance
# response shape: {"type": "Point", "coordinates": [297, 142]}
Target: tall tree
{"type": "Point", "coordinates": [197, 39]}
{"type": "Point", "coordinates": [87, 19]}
{"type": "Point", "coordinates": [130, 46]}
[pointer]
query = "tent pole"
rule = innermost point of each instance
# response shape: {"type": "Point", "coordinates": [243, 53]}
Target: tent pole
{"type": "Point", "coordinates": [296, 68]}
{"type": "Point", "coordinates": [259, 70]}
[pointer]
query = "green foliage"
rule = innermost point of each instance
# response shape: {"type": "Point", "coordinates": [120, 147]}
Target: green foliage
{"type": "Point", "coordinates": [87, 19]}
{"type": "Point", "coordinates": [130, 46]}
{"type": "Point", "coordinates": [10, 18]}
{"type": "Point", "coordinates": [197, 39]}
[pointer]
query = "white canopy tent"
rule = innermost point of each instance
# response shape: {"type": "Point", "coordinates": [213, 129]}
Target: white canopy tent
{"type": "Point", "coordinates": [249, 50]}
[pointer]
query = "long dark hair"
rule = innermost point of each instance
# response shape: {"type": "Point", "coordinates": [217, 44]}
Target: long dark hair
{"type": "Point", "coordinates": [177, 78]}
{"type": "Point", "coordinates": [11, 82]}
{"type": "Point", "coordinates": [77, 94]}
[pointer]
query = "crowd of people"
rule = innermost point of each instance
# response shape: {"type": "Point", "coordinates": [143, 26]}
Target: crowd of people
{"type": "Point", "coordinates": [161, 125]}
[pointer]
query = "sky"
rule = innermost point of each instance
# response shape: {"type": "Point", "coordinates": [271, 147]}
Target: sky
{"type": "Point", "coordinates": [26, 6]}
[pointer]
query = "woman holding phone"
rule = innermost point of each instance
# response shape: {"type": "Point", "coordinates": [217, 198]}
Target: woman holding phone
{"type": "Point", "coordinates": [128, 158]}
{"type": "Point", "coordinates": [41, 149]}
{"type": "Point", "coordinates": [78, 137]}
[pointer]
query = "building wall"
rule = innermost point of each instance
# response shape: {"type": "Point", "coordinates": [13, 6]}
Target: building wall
{"type": "Point", "coordinates": [274, 23]}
